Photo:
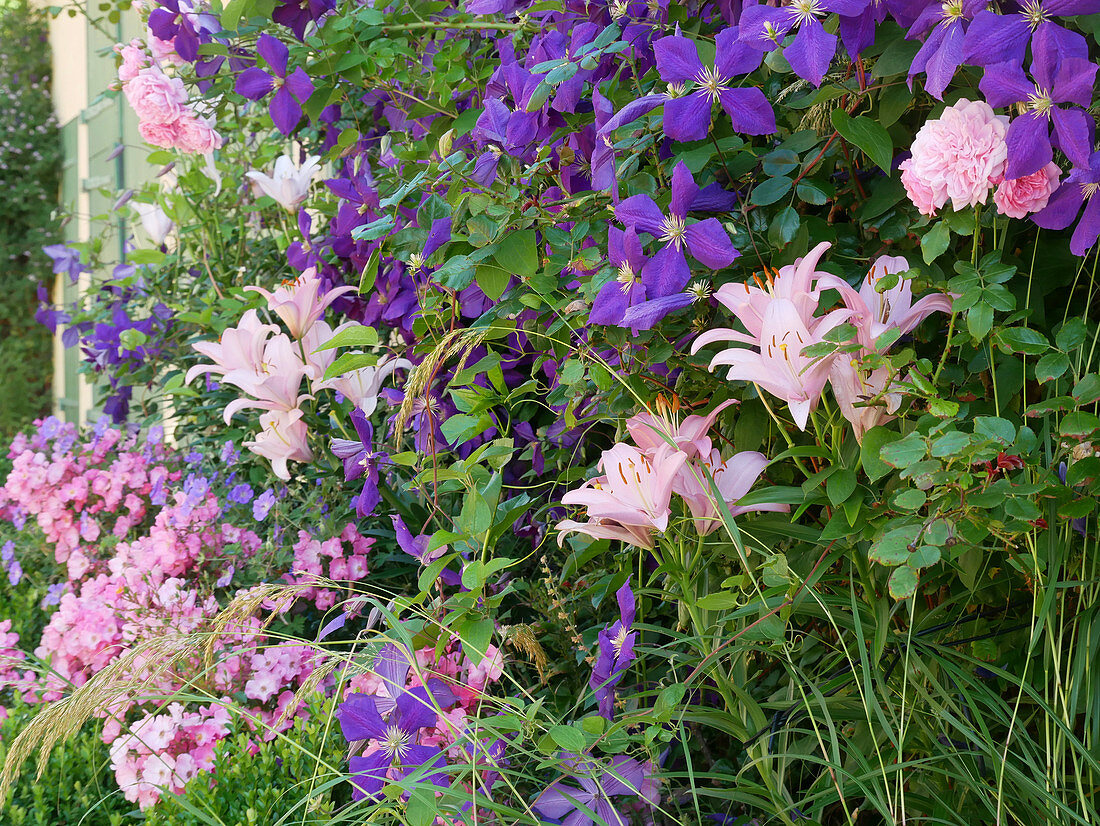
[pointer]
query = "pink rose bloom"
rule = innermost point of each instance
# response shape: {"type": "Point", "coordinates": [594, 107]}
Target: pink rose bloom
{"type": "Point", "coordinates": [134, 59]}
{"type": "Point", "coordinates": [959, 156]}
{"type": "Point", "coordinates": [159, 134]}
{"type": "Point", "coordinates": [155, 97]}
{"type": "Point", "coordinates": [164, 51]}
{"type": "Point", "coordinates": [1018, 197]}
{"type": "Point", "coordinates": [196, 136]}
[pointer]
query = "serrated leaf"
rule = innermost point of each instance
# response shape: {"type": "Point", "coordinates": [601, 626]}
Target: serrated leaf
{"type": "Point", "coordinates": [935, 242]}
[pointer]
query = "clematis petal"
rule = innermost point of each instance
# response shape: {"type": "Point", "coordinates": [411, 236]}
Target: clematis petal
{"type": "Point", "coordinates": [687, 118]}
{"type": "Point", "coordinates": [359, 718]}
{"type": "Point", "coordinates": [1004, 84]}
{"type": "Point", "coordinates": [1028, 142]}
{"type": "Point", "coordinates": [646, 315]}
{"type": "Point", "coordinates": [1088, 229]}
{"type": "Point", "coordinates": [254, 83]}
{"type": "Point", "coordinates": [632, 111]}
{"type": "Point", "coordinates": [684, 190]}
{"type": "Point", "coordinates": [735, 57]}
{"type": "Point", "coordinates": [666, 273]}
{"type": "Point", "coordinates": [811, 52]}
{"type": "Point", "coordinates": [749, 110]}
{"type": "Point", "coordinates": [611, 303]}
{"type": "Point", "coordinates": [944, 61]}
{"type": "Point", "coordinates": [996, 38]}
{"type": "Point", "coordinates": [300, 85]}
{"type": "Point", "coordinates": [285, 111]}
{"type": "Point", "coordinates": [1062, 207]}
{"type": "Point", "coordinates": [1073, 82]}
{"type": "Point", "coordinates": [677, 59]}
{"type": "Point", "coordinates": [641, 213]}
{"type": "Point", "coordinates": [710, 244]}
{"type": "Point", "coordinates": [369, 774]}
{"type": "Point", "coordinates": [275, 52]}
{"type": "Point", "coordinates": [1075, 131]}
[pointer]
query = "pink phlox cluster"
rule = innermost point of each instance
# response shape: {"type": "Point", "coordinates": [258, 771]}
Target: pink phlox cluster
{"type": "Point", "coordinates": [166, 116]}
{"type": "Point", "coordinates": [166, 750]}
{"type": "Point", "coordinates": [342, 558]}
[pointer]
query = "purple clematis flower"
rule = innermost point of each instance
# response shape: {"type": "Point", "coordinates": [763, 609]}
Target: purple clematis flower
{"type": "Point", "coordinates": [1078, 190]}
{"type": "Point", "coordinates": [296, 15]}
{"type": "Point", "coordinates": [65, 260]}
{"type": "Point", "coordinates": [813, 48]}
{"type": "Point", "coordinates": [360, 459]}
{"type": "Point", "coordinates": [398, 754]}
{"type": "Point", "coordinates": [1003, 38]}
{"type": "Point", "coordinates": [942, 52]}
{"type": "Point", "coordinates": [627, 288]}
{"type": "Point", "coordinates": [616, 652]}
{"type": "Point", "coordinates": [598, 783]}
{"type": "Point", "coordinates": [292, 91]}
{"type": "Point", "coordinates": [667, 272]}
{"type": "Point", "coordinates": [1056, 80]}
{"type": "Point", "coordinates": [688, 118]}
{"type": "Point", "coordinates": [177, 19]}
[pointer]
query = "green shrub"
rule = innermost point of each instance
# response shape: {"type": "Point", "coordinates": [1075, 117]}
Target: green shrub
{"type": "Point", "coordinates": [77, 787]}
{"type": "Point", "coordinates": [247, 790]}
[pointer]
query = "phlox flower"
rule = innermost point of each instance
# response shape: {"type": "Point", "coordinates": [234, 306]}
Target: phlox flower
{"type": "Point", "coordinates": [631, 499]}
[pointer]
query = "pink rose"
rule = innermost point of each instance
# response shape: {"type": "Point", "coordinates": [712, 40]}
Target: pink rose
{"type": "Point", "coordinates": [959, 156]}
{"type": "Point", "coordinates": [196, 136]}
{"type": "Point", "coordinates": [134, 59]}
{"type": "Point", "coordinates": [1018, 197]}
{"type": "Point", "coordinates": [155, 97]}
{"type": "Point", "coordinates": [159, 134]}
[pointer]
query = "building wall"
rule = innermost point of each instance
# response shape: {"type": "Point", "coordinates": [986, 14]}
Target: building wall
{"type": "Point", "coordinates": [94, 122]}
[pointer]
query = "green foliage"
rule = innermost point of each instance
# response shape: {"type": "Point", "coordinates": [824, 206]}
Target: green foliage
{"type": "Point", "coordinates": [30, 162]}
{"type": "Point", "coordinates": [297, 776]}
{"type": "Point", "coordinates": [77, 787]}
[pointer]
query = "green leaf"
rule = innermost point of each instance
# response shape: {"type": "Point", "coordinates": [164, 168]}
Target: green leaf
{"type": "Point", "coordinates": [903, 582]}
{"type": "Point", "coordinates": [869, 135]}
{"type": "Point", "coordinates": [1021, 340]}
{"type": "Point", "coordinates": [910, 499]}
{"type": "Point", "coordinates": [904, 452]}
{"type": "Point", "coordinates": [979, 321]}
{"type": "Point", "coordinates": [517, 253]}
{"type": "Point", "coordinates": [873, 442]}
{"type": "Point", "coordinates": [995, 429]}
{"type": "Point", "coordinates": [569, 738]}
{"type": "Point", "coordinates": [492, 279]}
{"type": "Point", "coordinates": [840, 485]}
{"type": "Point", "coordinates": [370, 271]}
{"type": "Point", "coordinates": [1079, 424]}
{"type": "Point", "coordinates": [358, 336]}
{"type": "Point", "coordinates": [476, 636]}
{"type": "Point", "coordinates": [770, 191]}
{"type": "Point", "coordinates": [935, 242]}
{"type": "Point", "coordinates": [1087, 390]}
{"type": "Point", "coordinates": [1051, 366]}
{"type": "Point", "coordinates": [784, 226]}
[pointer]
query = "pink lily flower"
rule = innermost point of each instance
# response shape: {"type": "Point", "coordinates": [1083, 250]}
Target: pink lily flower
{"type": "Point", "coordinates": [361, 387]}
{"type": "Point", "coordinates": [631, 499]}
{"type": "Point", "coordinates": [874, 312]}
{"type": "Point", "coordinates": [239, 348]}
{"type": "Point", "coordinates": [282, 437]}
{"type": "Point", "coordinates": [652, 431]}
{"type": "Point", "coordinates": [297, 302]}
{"type": "Point", "coordinates": [778, 365]}
{"type": "Point", "coordinates": [733, 478]}
{"type": "Point", "coordinates": [853, 385]}
{"type": "Point", "coordinates": [275, 385]}
{"type": "Point", "coordinates": [795, 282]}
